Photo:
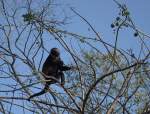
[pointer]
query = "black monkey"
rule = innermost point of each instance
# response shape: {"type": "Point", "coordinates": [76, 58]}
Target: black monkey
{"type": "Point", "coordinates": [53, 69]}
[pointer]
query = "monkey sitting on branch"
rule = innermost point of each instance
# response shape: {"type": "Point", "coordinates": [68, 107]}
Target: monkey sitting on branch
{"type": "Point", "coordinates": [52, 69]}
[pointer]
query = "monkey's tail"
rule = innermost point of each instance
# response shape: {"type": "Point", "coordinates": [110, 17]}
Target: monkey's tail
{"type": "Point", "coordinates": [54, 98]}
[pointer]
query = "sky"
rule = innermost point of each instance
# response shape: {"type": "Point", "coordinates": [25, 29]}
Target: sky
{"type": "Point", "coordinates": [100, 14]}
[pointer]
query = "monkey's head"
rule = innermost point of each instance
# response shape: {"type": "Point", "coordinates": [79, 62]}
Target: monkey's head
{"type": "Point", "coordinates": [55, 53]}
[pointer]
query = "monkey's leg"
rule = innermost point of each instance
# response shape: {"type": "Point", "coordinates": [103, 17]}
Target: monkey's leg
{"type": "Point", "coordinates": [41, 92]}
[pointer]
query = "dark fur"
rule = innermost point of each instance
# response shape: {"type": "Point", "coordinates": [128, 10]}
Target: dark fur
{"type": "Point", "coordinates": [52, 67]}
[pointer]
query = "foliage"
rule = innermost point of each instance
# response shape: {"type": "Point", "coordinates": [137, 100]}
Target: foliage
{"type": "Point", "coordinates": [108, 80]}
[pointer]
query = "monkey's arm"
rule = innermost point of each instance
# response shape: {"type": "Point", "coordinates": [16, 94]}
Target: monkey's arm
{"type": "Point", "coordinates": [63, 67]}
